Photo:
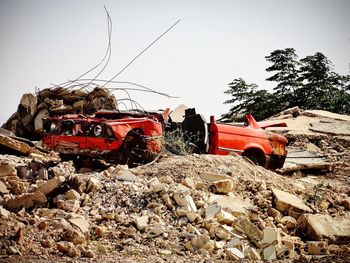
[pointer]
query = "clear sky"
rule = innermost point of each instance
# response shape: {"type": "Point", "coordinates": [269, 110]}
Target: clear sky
{"type": "Point", "coordinates": [45, 42]}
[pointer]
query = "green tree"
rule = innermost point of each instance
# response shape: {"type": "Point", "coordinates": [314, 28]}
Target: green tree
{"type": "Point", "coordinates": [247, 98]}
{"type": "Point", "coordinates": [321, 87]}
{"type": "Point", "coordinates": [285, 66]}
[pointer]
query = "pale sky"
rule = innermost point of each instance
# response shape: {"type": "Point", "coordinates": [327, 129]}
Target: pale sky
{"type": "Point", "coordinates": [45, 42]}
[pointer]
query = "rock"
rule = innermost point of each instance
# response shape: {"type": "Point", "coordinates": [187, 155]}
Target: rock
{"type": "Point", "coordinates": [252, 254]}
{"type": "Point", "coordinates": [68, 205]}
{"type": "Point", "coordinates": [17, 187]}
{"type": "Point", "coordinates": [320, 227]}
{"type": "Point", "coordinates": [199, 241]}
{"type": "Point", "coordinates": [232, 204]}
{"type": "Point", "coordinates": [189, 182]}
{"type": "Point", "coordinates": [26, 201]}
{"type": "Point", "coordinates": [289, 222]}
{"type": "Point", "coordinates": [212, 210]}
{"type": "Point", "coordinates": [223, 186]}
{"type": "Point", "coordinates": [3, 188]}
{"type": "Point", "coordinates": [224, 217]}
{"type": "Point", "coordinates": [126, 175]}
{"type": "Point", "coordinates": [271, 236]}
{"type": "Point", "coordinates": [81, 223]}
{"type": "Point", "coordinates": [3, 212]}
{"type": "Point", "coordinates": [317, 247]}
{"type": "Point", "coordinates": [93, 185]}
{"type": "Point", "coordinates": [68, 248]}
{"type": "Point", "coordinates": [72, 195]}
{"type": "Point", "coordinates": [283, 252]}
{"type": "Point", "coordinates": [100, 231]}
{"type": "Point", "coordinates": [234, 254]}
{"type": "Point", "coordinates": [141, 222]}
{"type": "Point", "coordinates": [346, 203]}
{"type": "Point", "coordinates": [269, 253]}
{"type": "Point", "coordinates": [233, 242]}
{"type": "Point", "coordinates": [223, 232]}
{"type": "Point", "coordinates": [51, 185]}
{"type": "Point", "coordinates": [155, 230]}
{"type": "Point", "coordinates": [165, 252]}
{"type": "Point", "coordinates": [246, 226]}
{"type": "Point", "coordinates": [156, 186]}
{"type": "Point", "coordinates": [185, 201]}
{"type": "Point", "coordinates": [16, 146]}
{"type": "Point", "coordinates": [74, 236]}
{"type": "Point", "coordinates": [275, 213]}
{"type": "Point", "coordinates": [19, 236]}
{"type": "Point", "coordinates": [290, 204]}
{"type": "Point", "coordinates": [7, 170]}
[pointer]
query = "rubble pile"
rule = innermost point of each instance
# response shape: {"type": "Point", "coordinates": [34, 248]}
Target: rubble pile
{"type": "Point", "coordinates": [27, 121]}
{"type": "Point", "coordinates": [319, 141]}
{"type": "Point", "coordinates": [195, 207]}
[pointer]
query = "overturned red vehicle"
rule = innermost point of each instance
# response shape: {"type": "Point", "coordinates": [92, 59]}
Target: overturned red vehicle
{"type": "Point", "coordinates": [128, 137]}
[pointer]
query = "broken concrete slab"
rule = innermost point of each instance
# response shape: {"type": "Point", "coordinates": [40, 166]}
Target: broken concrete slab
{"type": "Point", "coordinates": [244, 225]}
{"type": "Point", "coordinates": [269, 253]}
{"type": "Point", "coordinates": [298, 160]}
{"type": "Point", "coordinates": [51, 185]}
{"type": "Point", "coordinates": [271, 236]}
{"type": "Point", "coordinates": [290, 204]}
{"type": "Point", "coordinates": [233, 204]}
{"type": "Point", "coordinates": [319, 227]}
{"type": "Point", "coordinates": [8, 145]}
{"type": "Point", "coordinates": [26, 201]}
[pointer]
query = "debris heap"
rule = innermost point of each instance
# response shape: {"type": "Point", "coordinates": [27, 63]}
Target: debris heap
{"type": "Point", "coordinates": [193, 207]}
{"type": "Point", "coordinates": [27, 121]}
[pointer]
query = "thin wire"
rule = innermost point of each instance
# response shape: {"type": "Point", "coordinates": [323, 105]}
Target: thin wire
{"type": "Point", "coordinates": [105, 56]}
{"type": "Point", "coordinates": [143, 51]}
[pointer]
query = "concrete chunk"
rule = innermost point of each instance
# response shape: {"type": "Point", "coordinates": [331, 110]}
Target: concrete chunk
{"type": "Point", "coordinates": [271, 236]}
{"type": "Point", "coordinates": [4, 212]}
{"type": "Point", "coordinates": [269, 253]}
{"type": "Point", "coordinates": [72, 195]}
{"type": "Point", "coordinates": [319, 227]}
{"type": "Point", "coordinates": [51, 185]}
{"type": "Point", "coordinates": [26, 201]}
{"type": "Point", "coordinates": [81, 223]}
{"type": "Point", "coordinates": [141, 222]}
{"type": "Point", "coordinates": [234, 254]}
{"type": "Point", "coordinates": [223, 186]}
{"type": "Point", "coordinates": [252, 254]}
{"type": "Point", "coordinates": [200, 241]}
{"type": "Point", "coordinates": [251, 230]}
{"type": "Point", "coordinates": [186, 202]}
{"type": "Point", "coordinates": [7, 170]}
{"type": "Point", "coordinates": [290, 204]}
{"type": "Point", "coordinates": [318, 247]}
{"type": "Point", "coordinates": [3, 188]}
{"type": "Point", "coordinates": [224, 217]}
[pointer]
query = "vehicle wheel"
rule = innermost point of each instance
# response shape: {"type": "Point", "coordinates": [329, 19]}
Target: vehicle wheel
{"type": "Point", "coordinates": [134, 149]}
{"type": "Point", "coordinates": [256, 156]}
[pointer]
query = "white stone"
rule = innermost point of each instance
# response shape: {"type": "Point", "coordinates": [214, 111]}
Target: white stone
{"type": "Point", "coordinates": [234, 254]}
{"type": "Point", "coordinates": [269, 253]}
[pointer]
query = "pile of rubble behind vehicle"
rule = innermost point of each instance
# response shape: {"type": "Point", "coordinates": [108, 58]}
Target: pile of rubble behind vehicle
{"type": "Point", "coordinates": [180, 208]}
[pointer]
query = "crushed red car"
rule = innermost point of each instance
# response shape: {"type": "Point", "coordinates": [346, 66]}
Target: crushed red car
{"type": "Point", "coordinates": [127, 137]}
{"type": "Point", "coordinates": [134, 137]}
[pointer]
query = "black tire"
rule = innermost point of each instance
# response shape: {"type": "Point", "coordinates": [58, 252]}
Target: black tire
{"type": "Point", "coordinates": [255, 156]}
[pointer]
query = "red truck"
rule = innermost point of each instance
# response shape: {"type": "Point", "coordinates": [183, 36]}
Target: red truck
{"type": "Point", "coordinates": [134, 137]}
